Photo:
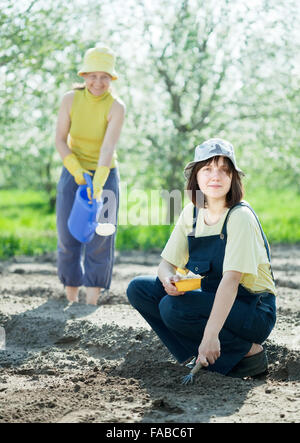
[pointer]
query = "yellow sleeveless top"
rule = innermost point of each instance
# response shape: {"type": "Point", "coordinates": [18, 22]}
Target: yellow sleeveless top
{"type": "Point", "coordinates": [88, 125]}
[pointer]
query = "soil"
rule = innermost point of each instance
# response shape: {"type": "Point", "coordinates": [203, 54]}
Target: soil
{"type": "Point", "coordinates": [73, 363]}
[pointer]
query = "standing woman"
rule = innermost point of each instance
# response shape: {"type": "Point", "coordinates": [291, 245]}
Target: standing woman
{"type": "Point", "coordinates": [223, 324]}
{"type": "Point", "coordinates": [89, 125]}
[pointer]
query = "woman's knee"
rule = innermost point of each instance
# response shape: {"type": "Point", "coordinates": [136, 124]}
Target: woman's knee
{"type": "Point", "coordinates": [132, 291]}
{"type": "Point", "coordinates": [144, 292]}
{"type": "Point", "coordinates": [135, 291]}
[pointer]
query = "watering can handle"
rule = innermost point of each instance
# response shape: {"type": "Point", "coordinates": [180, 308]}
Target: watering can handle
{"type": "Point", "coordinates": [89, 182]}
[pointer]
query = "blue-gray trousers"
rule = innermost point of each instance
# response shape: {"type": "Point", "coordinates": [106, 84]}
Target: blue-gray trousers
{"type": "Point", "coordinates": [91, 264]}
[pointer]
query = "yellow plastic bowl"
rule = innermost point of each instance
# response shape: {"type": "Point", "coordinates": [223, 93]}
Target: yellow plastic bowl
{"type": "Point", "coordinates": [188, 284]}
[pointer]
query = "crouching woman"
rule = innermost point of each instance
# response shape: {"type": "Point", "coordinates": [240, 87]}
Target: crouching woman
{"type": "Point", "coordinates": [218, 236]}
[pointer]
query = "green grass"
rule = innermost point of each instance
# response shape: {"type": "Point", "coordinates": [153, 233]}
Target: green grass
{"type": "Point", "coordinates": [279, 213]}
{"type": "Point", "coordinates": [142, 237]}
{"type": "Point", "coordinates": [27, 227]}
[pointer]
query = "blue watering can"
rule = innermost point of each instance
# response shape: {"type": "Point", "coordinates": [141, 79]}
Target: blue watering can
{"type": "Point", "coordinates": [82, 222]}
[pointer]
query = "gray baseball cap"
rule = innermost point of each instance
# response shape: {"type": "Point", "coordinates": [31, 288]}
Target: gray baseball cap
{"type": "Point", "coordinates": [211, 148]}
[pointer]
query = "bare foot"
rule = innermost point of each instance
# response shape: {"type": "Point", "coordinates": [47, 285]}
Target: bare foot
{"type": "Point", "coordinates": [255, 349]}
{"type": "Point", "coordinates": [92, 295]}
{"type": "Point", "coordinates": [72, 293]}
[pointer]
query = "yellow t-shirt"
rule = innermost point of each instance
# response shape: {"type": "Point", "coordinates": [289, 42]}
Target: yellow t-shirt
{"type": "Point", "coordinates": [88, 116]}
{"type": "Point", "coordinates": [245, 250]}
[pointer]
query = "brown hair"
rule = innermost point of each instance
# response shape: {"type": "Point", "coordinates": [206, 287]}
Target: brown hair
{"type": "Point", "coordinates": [234, 195]}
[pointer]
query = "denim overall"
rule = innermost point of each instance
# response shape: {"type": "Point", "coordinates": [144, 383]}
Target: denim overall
{"type": "Point", "coordinates": [179, 321]}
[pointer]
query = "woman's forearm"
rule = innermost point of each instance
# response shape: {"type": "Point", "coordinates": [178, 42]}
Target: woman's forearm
{"type": "Point", "coordinates": [62, 148]}
{"type": "Point", "coordinates": [106, 155]}
{"type": "Point", "coordinates": [224, 299]}
{"type": "Point", "coordinates": [112, 134]}
{"type": "Point", "coordinates": [63, 125]}
{"type": "Point", "coordinates": [165, 269]}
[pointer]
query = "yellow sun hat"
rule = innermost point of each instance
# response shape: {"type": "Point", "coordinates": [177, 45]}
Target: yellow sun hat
{"type": "Point", "coordinates": [100, 58]}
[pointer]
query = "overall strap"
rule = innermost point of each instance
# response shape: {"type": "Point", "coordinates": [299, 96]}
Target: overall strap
{"type": "Point", "coordinates": [224, 230]}
{"type": "Point", "coordinates": [195, 216]}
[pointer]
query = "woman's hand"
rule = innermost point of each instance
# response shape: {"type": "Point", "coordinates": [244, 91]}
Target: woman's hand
{"type": "Point", "coordinates": [209, 350]}
{"type": "Point", "coordinates": [99, 180]}
{"type": "Point", "coordinates": [169, 285]}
